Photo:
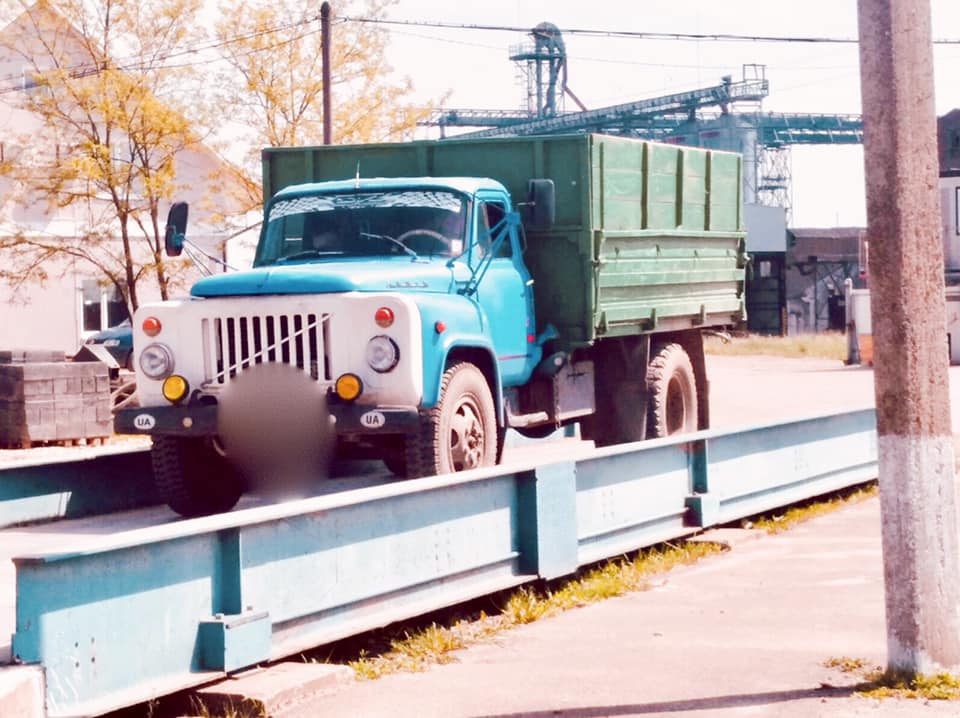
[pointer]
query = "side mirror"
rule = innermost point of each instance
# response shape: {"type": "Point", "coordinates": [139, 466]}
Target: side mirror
{"type": "Point", "coordinates": [541, 204]}
{"type": "Point", "coordinates": [176, 229]}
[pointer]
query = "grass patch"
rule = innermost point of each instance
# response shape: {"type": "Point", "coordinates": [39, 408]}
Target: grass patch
{"type": "Point", "coordinates": [415, 650]}
{"type": "Point", "coordinates": [610, 579]}
{"type": "Point", "coordinates": [878, 683]}
{"type": "Point", "coordinates": [829, 345]}
{"type": "Point", "coordinates": [774, 523]}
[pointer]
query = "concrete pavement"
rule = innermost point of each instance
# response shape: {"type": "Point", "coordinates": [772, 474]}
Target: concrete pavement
{"type": "Point", "coordinates": [744, 633]}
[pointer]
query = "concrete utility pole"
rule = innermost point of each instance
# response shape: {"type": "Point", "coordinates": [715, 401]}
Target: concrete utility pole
{"type": "Point", "coordinates": [917, 491]}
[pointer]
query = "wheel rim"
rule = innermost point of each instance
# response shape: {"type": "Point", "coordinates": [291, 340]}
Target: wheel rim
{"type": "Point", "coordinates": [676, 414]}
{"type": "Point", "coordinates": [466, 435]}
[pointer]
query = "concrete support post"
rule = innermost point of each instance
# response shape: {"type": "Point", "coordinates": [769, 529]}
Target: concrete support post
{"type": "Point", "coordinates": [917, 491]}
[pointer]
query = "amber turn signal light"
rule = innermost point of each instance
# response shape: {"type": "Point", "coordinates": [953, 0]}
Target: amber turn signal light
{"type": "Point", "coordinates": [175, 387]}
{"type": "Point", "coordinates": [348, 387]}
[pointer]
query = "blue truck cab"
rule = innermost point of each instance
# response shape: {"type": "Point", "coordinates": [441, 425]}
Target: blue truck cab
{"type": "Point", "coordinates": [452, 245]}
{"type": "Point", "coordinates": [406, 300]}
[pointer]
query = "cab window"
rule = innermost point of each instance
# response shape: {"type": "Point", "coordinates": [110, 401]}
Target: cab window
{"type": "Point", "coordinates": [488, 215]}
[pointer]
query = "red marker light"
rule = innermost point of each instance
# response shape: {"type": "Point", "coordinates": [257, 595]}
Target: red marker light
{"type": "Point", "coordinates": [383, 317]}
{"type": "Point", "coordinates": [151, 326]}
{"type": "Point", "coordinates": [531, 339]}
{"type": "Point", "coordinates": [440, 327]}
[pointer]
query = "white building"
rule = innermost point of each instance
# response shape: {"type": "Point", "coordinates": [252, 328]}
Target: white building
{"type": "Point", "coordinates": [73, 300]}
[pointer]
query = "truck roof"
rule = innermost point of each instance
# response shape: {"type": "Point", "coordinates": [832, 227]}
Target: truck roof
{"type": "Point", "coordinates": [467, 185]}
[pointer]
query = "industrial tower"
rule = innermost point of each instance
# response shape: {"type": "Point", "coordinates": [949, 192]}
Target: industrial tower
{"type": "Point", "coordinates": [727, 116]}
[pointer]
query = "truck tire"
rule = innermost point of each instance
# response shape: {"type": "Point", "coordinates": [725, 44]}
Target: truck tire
{"type": "Point", "coordinates": [673, 392]}
{"type": "Point", "coordinates": [460, 432]}
{"type": "Point", "coordinates": [192, 478]}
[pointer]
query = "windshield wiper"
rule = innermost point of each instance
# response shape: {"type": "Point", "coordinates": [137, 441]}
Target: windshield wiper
{"type": "Point", "coordinates": [397, 242]}
{"type": "Point", "coordinates": [305, 254]}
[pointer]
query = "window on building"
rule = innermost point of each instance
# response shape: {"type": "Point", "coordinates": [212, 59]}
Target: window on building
{"type": "Point", "coordinates": [103, 305]}
{"type": "Point", "coordinates": [956, 209]}
{"type": "Point", "coordinates": [31, 76]}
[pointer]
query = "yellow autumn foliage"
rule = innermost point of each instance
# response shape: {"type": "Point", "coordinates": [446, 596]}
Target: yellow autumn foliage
{"type": "Point", "coordinates": [275, 47]}
{"type": "Point", "coordinates": [111, 131]}
{"type": "Point", "coordinates": [122, 94]}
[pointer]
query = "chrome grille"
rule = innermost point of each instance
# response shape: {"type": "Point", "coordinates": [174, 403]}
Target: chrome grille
{"type": "Point", "coordinates": [232, 344]}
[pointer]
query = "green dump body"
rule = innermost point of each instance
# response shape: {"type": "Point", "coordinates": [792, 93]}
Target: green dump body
{"type": "Point", "coordinates": [648, 237]}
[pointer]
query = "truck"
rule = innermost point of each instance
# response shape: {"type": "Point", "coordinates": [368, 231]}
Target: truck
{"type": "Point", "coordinates": [440, 293]}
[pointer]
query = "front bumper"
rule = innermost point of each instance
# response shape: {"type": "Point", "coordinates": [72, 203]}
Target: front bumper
{"type": "Point", "coordinates": [200, 420]}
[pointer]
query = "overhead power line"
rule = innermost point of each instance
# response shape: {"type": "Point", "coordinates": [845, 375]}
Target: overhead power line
{"type": "Point", "coordinates": [163, 61]}
{"type": "Point", "coordinates": [630, 34]}
{"type": "Point", "coordinates": [166, 61]}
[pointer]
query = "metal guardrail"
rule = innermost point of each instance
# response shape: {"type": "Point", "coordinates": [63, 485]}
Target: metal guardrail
{"type": "Point", "coordinates": [146, 612]}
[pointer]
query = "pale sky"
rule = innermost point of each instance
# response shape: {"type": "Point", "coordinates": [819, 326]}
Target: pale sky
{"type": "Point", "coordinates": [473, 66]}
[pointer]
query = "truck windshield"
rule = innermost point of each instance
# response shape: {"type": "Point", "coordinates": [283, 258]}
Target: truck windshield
{"type": "Point", "coordinates": [413, 223]}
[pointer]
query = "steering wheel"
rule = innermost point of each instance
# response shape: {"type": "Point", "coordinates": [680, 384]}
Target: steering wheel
{"type": "Point", "coordinates": [428, 232]}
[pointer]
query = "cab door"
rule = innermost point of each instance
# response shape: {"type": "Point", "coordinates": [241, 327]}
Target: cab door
{"type": "Point", "coordinates": [505, 293]}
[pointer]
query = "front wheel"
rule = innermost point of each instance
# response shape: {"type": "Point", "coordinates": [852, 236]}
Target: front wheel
{"type": "Point", "coordinates": [458, 434]}
{"type": "Point", "coordinates": [192, 478]}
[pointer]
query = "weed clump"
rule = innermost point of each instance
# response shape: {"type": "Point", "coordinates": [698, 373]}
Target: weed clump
{"type": "Point", "coordinates": [904, 684]}
{"type": "Point", "coordinates": [879, 684]}
{"type": "Point", "coordinates": [775, 523]}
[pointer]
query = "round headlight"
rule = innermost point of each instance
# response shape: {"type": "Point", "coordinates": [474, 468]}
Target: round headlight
{"type": "Point", "coordinates": [382, 354]}
{"type": "Point", "coordinates": [156, 361]}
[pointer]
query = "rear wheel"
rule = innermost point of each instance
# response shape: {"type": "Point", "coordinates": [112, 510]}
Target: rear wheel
{"type": "Point", "coordinates": [192, 478]}
{"type": "Point", "coordinates": [459, 433]}
{"type": "Point", "coordinates": [673, 392]}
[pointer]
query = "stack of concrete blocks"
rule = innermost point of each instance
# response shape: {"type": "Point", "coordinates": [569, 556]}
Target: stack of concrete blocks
{"type": "Point", "coordinates": [45, 399]}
